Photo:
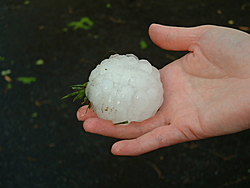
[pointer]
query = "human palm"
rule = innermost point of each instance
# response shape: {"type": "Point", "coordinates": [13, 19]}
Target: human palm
{"type": "Point", "coordinates": [206, 92]}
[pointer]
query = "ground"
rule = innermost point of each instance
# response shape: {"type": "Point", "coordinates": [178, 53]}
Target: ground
{"type": "Point", "coordinates": [46, 46]}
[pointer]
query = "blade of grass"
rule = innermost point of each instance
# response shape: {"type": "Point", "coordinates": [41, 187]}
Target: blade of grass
{"type": "Point", "coordinates": [71, 94]}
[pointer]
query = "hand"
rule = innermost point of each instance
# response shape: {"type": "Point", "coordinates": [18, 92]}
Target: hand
{"type": "Point", "coordinates": [206, 92]}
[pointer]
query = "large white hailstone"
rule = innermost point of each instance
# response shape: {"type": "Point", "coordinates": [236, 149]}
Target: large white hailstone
{"type": "Point", "coordinates": [124, 88]}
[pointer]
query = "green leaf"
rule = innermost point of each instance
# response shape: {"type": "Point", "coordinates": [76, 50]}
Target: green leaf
{"type": "Point", "coordinates": [26, 80]}
{"type": "Point", "coordinates": [35, 114]}
{"type": "Point", "coordinates": [40, 62]}
{"type": "Point", "coordinates": [108, 5]}
{"type": "Point", "coordinates": [84, 23]}
{"type": "Point", "coordinates": [65, 29]}
{"type": "Point", "coordinates": [2, 58]}
{"type": "Point", "coordinates": [143, 44]}
{"type": "Point", "coordinates": [5, 72]}
{"type": "Point", "coordinates": [26, 2]}
{"type": "Point", "coordinates": [8, 86]}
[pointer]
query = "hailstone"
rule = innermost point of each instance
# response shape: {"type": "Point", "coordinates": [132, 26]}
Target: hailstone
{"type": "Point", "coordinates": [124, 88]}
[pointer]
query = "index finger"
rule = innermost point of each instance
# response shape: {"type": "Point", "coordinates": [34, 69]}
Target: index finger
{"type": "Point", "coordinates": [131, 130]}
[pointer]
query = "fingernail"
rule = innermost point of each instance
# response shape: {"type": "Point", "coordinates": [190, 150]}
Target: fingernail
{"type": "Point", "coordinates": [81, 113]}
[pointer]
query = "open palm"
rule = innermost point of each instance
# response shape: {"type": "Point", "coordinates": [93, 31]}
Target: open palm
{"type": "Point", "coordinates": [206, 92]}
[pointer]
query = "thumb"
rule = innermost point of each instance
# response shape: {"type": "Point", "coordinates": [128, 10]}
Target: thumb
{"type": "Point", "coordinates": [175, 38]}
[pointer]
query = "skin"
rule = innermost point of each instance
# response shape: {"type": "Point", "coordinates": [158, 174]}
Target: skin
{"type": "Point", "coordinates": [206, 92]}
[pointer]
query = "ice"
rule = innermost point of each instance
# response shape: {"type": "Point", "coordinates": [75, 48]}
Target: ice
{"type": "Point", "coordinates": [132, 55]}
{"type": "Point", "coordinates": [145, 66]}
{"type": "Point", "coordinates": [141, 99]}
{"type": "Point", "coordinates": [139, 79]}
{"type": "Point", "coordinates": [124, 88]}
{"type": "Point", "coordinates": [107, 85]}
{"type": "Point", "coordinates": [94, 93]}
{"type": "Point", "coordinates": [125, 93]}
{"type": "Point", "coordinates": [94, 73]}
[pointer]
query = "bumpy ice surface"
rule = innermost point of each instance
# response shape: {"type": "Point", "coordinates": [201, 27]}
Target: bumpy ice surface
{"type": "Point", "coordinates": [124, 88]}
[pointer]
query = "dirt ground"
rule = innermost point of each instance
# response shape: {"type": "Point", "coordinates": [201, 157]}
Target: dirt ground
{"type": "Point", "coordinates": [45, 48]}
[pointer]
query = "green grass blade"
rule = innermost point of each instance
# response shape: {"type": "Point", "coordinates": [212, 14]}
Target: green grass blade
{"type": "Point", "coordinates": [71, 94]}
{"type": "Point", "coordinates": [80, 95]}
